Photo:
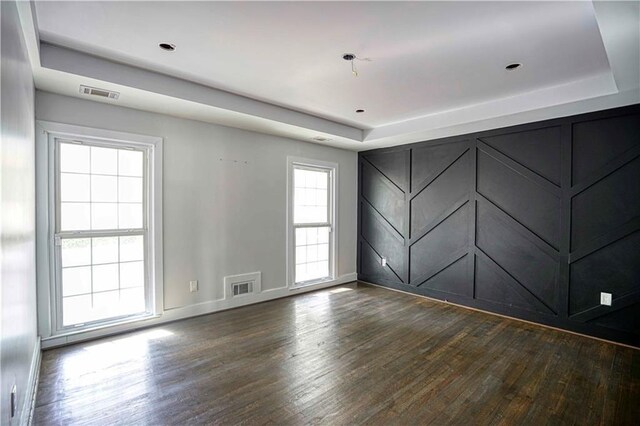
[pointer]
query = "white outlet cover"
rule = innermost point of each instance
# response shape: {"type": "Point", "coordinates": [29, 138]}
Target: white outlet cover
{"type": "Point", "coordinates": [383, 261]}
{"type": "Point", "coordinates": [605, 299]}
{"type": "Point", "coordinates": [193, 286]}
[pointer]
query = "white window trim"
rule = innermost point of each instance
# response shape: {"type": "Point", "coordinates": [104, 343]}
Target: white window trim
{"type": "Point", "coordinates": [49, 323]}
{"type": "Point", "coordinates": [333, 209]}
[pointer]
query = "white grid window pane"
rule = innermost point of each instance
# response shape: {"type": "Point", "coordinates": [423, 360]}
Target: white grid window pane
{"type": "Point", "coordinates": [91, 176]}
{"type": "Point", "coordinates": [104, 216]}
{"type": "Point", "coordinates": [98, 279]}
{"type": "Point", "coordinates": [131, 248]}
{"type": "Point", "coordinates": [76, 281]}
{"type": "Point", "coordinates": [310, 196]}
{"type": "Point", "coordinates": [132, 299]}
{"type": "Point", "coordinates": [74, 158]}
{"type": "Point", "coordinates": [76, 252]}
{"type": "Point", "coordinates": [301, 254]}
{"type": "Point", "coordinates": [323, 252]}
{"type": "Point", "coordinates": [105, 277]}
{"type": "Point", "coordinates": [75, 187]}
{"type": "Point", "coordinates": [76, 309]}
{"type": "Point", "coordinates": [104, 161]}
{"type": "Point", "coordinates": [311, 254]}
{"type": "Point", "coordinates": [131, 274]}
{"type": "Point", "coordinates": [106, 304]}
{"type": "Point", "coordinates": [301, 236]}
{"type": "Point", "coordinates": [104, 189]}
{"type": "Point", "coordinates": [130, 163]}
{"type": "Point", "coordinates": [129, 189]}
{"type": "Point", "coordinates": [104, 250]}
{"type": "Point", "coordinates": [75, 216]}
{"type": "Point", "coordinates": [130, 215]}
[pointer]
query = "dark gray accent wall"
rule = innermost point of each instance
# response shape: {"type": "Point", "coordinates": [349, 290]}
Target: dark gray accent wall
{"type": "Point", "coordinates": [532, 221]}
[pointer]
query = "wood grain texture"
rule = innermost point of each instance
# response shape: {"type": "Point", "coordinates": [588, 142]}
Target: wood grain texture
{"type": "Point", "coordinates": [364, 355]}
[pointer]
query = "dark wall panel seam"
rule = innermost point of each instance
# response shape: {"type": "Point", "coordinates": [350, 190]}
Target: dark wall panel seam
{"type": "Point", "coordinates": [459, 254]}
{"type": "Point", "coordinates": [387, 178]}
{"type": "Point", "coordinates": [407, 215]}
{"type": "Point", "coordinates": [566, 171]}
{"type": "Point", "coordinates": [540, 242]}
{"type": "Point", "coordinates": [486, 147]}
{"type": "Point", "coordinates": [363, 239]}
{"type": "Point", "coordinates": [519, 287]}
{"type": "Point", "coordinates": [473, 215]}
{"type": "Point", "coordinates": [523, 171]}
{"type": "Point", "coordinates": [438, 220]}
{"type": "Point", "coordinates": [382, 220]}
{"type": "Point", "coordinates": [363, 198]}
{"type": "Point", "coordinates": [599, 311]}
{"type": "Point", "coordinates": [607, 170]}
{"type": "Point", "coordinates": [425, 183]}
{"type": "Point", "coordinates": [606, 240]}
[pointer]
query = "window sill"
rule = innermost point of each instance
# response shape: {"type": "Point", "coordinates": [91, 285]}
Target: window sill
{"type": "Point", "coordinates": [98, 330]}
{"type": "Point", "coordinates": [311, 283]}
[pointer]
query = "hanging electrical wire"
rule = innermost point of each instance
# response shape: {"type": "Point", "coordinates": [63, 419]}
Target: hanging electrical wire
{"type": "Point", "coordinates": [351, 57]}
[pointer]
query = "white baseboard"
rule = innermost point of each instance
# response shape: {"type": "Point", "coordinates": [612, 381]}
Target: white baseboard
{"type": "Point", "coordinates": [192, 311]}
{"type": "Point", "coordinates": [223, 304]}
{"type": "Point", "coordinates": [29, 402]}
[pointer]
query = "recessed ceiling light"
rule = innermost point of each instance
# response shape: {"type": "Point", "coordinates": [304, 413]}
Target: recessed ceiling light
{"type": "Point", "coordinates": [167, 46]}
{"type": "Point", "coordinates": [359, 111]}
{"type": "Point", "coordinates": [512, 67]}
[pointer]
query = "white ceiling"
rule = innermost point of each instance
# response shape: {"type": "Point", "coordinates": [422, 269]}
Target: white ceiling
{"type": "Point", "coordinates": [433, 64]}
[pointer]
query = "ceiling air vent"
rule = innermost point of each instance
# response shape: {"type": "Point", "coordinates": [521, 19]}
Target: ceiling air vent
{"type": "Point", "coordinates": [94, 91]}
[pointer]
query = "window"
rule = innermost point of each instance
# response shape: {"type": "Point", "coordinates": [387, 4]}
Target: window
{"type": "Point", "coordinates": [311, 224]}
{"type": "Point", "coordinates": [102, 232]}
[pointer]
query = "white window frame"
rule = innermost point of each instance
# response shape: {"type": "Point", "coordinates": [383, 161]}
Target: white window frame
{"type": "Point", "coordinates": [50, 303]}
{"type": "Point", "coordinates": [332, 168]}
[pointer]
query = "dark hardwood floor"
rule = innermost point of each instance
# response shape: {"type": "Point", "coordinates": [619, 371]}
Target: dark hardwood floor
{"type": "Point", "coordinates": [335, 356]}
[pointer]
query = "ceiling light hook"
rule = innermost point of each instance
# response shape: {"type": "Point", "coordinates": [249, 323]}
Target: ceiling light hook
{"type": "Point", "coordinates": [351, 57]}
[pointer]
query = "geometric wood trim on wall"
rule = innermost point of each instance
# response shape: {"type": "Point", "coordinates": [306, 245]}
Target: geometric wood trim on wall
{"type": "Point", "coordinates": [439, 219]}
{"type": "Point", "coordinates": [532, 221]}
{"type": "Point", "coordinates": [605, 222]}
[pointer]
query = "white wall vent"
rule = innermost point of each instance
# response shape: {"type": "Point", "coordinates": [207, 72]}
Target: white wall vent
{"type": "Point", "coordinates": [243, 284]}
{"type": "Point", "coordinates": [103, 93]}
{"type": "Point", "coordinates": [242, 288]}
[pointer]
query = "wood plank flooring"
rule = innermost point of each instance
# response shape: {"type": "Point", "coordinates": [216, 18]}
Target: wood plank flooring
{"type": "Point", "coordinates": [348, 355]}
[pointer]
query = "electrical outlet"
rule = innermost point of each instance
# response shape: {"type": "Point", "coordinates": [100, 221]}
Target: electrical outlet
{"type": "Point", "coordinates": [193, 286]}
{"type": "Point", "coordinates": [605, 299]}
{"type": "Point", "coordinates": [383, 261]}
{"type": "Point", "coordinates": [14, 401]}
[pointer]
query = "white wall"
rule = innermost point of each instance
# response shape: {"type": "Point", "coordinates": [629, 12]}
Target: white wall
{"type": "Point", "coordinates": [17, 192]}
{"type": "Point", "coordinates": [224, 195]}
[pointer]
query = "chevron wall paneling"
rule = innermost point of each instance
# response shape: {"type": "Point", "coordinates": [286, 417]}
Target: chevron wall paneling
{"type": "Point", "coordinates": [532, 221]}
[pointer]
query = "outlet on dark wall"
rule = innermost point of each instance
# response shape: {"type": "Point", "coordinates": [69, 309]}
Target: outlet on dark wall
{"type": "Point", "coordinates": [532, 221]}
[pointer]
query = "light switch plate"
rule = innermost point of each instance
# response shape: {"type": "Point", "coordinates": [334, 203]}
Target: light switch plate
{"type": "Point", "coordinates": [605, 299]}
{"type": "Point", "coordinates": [193, 286]}
{"type": "Point", "coordinates": [383, 261]}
